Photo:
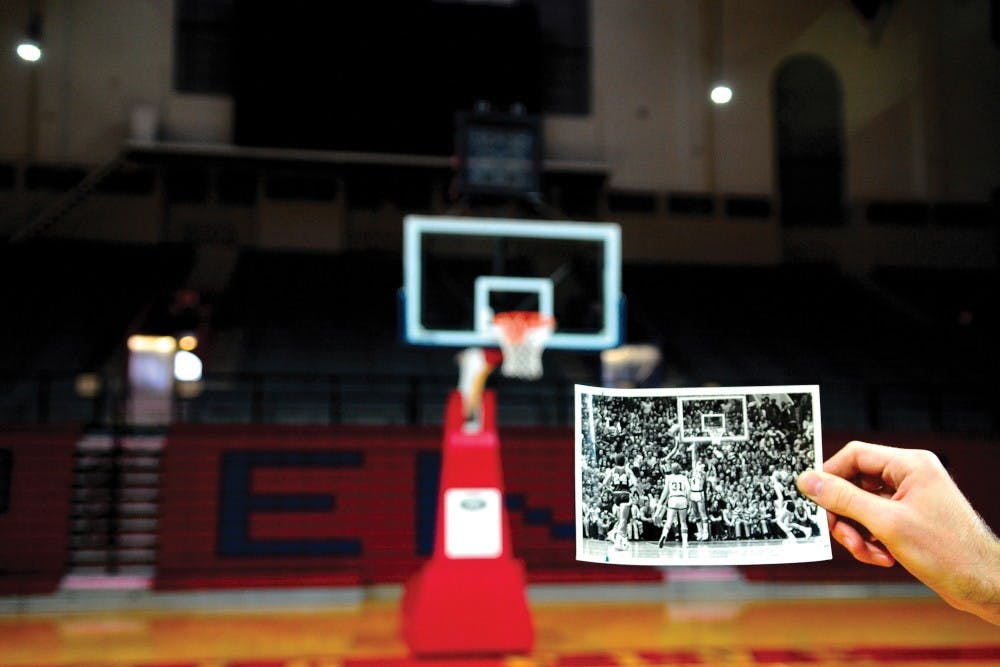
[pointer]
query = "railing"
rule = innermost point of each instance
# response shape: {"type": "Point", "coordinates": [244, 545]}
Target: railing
{"type": "Point", "coordinates": [248, 398]}
{"type": "Point", "coordinates": [419, 399]}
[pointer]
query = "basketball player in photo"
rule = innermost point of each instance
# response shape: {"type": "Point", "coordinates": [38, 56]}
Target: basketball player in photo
{"type": "Point", "coordinates": [699, 510]}
{"type": "Point", "coordinates": [675, 497]}
{"type": "Point", "coordinates": [621, 481]}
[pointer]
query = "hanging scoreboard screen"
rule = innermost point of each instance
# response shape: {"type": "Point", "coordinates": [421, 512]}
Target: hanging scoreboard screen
{"type": "Point", "coordinates": [499, 154]}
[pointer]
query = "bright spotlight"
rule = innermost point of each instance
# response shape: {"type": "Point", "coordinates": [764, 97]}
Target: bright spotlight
{"type": "Point", "coordinates": [29, 51]}
{"type": "Point", "coordinates": [187, 367]}
{"type": "Point", "coordinates": [187, 342]}
{"type": "Point", "coordinates": [721, 94]}
{"type": "Point", "coordinates": [159, 344]}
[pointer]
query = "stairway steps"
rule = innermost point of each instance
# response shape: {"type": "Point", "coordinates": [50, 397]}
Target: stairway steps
{"type": "Point", "coordinates": [114, 515]}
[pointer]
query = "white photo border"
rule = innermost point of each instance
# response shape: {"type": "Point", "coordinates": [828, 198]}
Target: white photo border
{"type": "Point", "coordinates": [780, 541]}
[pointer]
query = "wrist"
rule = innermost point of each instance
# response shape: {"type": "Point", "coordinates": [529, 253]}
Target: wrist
{"type": "Point", "coordinates": [982, 592]}
{"type": "Point", "coordinates": [991, 593]}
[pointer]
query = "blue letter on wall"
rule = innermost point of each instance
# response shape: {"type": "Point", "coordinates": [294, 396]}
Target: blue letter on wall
{"type": "Point", "coordinates": [237, 503]}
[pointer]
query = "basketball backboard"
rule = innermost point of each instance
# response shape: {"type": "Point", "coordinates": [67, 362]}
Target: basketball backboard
{"type": "Point", "coordinates": [458, 272]}
{"type": "Point", "coordinates": [704, 418]}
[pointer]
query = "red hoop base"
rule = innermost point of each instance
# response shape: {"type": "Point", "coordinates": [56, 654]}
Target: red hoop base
{"type": "Point", "coordinates": [468, 606]}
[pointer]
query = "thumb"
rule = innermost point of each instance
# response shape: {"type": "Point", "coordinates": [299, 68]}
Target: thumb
{"type": "Point", "coordinates": [842, 497]}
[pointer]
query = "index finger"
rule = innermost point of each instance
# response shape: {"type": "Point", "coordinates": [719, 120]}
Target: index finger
{"type": "Point", "coordinates": [860, 458]}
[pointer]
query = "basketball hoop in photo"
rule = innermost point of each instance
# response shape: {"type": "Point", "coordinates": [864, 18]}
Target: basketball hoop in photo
{"type": "Point", "coordinates": [715, 426]}
{"type": "Point", "coordinates": [522, 335]}
{"type": "Point", "coordinates": [715, 434]}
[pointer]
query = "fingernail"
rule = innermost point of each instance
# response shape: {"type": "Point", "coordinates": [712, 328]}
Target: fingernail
{"type": "Point", "coordinates": [810, 483]}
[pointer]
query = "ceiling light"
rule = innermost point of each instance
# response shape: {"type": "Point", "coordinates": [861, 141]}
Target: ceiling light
{"type": "Point", "coordinates": [29, 51]}
{"type": "Point", "coordinates": [721, 94]}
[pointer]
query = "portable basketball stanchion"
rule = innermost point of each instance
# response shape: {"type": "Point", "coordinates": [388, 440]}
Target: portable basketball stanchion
{"type": "Point", "coordinates": [469, 598]}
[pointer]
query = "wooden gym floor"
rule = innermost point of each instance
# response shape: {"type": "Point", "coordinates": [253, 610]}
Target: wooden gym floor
{"type": "Point", "coordinates": [575, 631]}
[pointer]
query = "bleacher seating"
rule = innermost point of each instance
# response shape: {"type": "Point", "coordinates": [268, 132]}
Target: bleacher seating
{"type": "Point", "coordinates": [956, 300]}
{"type": "Point", "coordinates": [317, 313]}
{"type": "Point", "coordinates": [73, 301]}
{"type": "Point", "coordinates": [314, 337]}
{"type": "Point", "coordinates": [300, 338]}
{"type": "Point", "coordinates": [68, 306]}
{"type": "Point", "coordinates": [806, 325]}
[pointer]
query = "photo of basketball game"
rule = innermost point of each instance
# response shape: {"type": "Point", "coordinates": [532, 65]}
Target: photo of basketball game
{"type": "Point", "coordinates": [697, 476]}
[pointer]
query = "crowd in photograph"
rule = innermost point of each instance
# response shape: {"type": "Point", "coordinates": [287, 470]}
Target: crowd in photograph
{"type": "Point", "coordinates": [748, 483]}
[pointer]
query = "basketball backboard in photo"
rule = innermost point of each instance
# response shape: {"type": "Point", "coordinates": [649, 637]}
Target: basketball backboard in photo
{"type": "Point", "coordinates": [713, 418]}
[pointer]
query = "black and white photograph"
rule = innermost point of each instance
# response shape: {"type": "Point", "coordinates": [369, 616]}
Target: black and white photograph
{"type": "Point", "coordinates": [697, 476]}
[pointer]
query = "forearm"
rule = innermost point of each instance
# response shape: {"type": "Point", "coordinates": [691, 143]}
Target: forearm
{"type": "Point", "coordinates": [979, 588]}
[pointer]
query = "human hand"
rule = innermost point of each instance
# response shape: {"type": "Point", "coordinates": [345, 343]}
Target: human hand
{"type": "Point", "coordinates": [886, 505]}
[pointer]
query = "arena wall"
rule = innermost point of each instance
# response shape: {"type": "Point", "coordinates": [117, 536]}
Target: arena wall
{"type": "Point", "coordinates": [273, 506]}
{"type": "Point", "coordinates": [650, 122]}
{"type": "Point", "coordinates": [36, 475]}
{"type": "Point", "coordinates": [266, 506]}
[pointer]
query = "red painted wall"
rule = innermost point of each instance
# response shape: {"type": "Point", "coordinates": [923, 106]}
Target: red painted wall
{"type": "Point", "coordinates": [36, 483]}
{"type": "Point", "coordinates": [302, 505]}
{"type": "Point", "coordinates": [373, 502]}
{"type": "Point", "coordinates": [366, 517]}
{"type": "Point", "coordinates": [271, 505]}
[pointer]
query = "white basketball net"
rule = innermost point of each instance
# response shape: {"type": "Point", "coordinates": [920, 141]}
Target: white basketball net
{"type": "Point", "coordinates": [716, 433]}
{"type": "Point", "coordinates": [522, 336]}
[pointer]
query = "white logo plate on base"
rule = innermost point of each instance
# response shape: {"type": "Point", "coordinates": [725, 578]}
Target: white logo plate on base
{"type": "Point", "coordinates": [472, 523]}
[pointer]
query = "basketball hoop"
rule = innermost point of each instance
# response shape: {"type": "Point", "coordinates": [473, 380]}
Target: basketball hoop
{"type": "Point", "coordinates": [522, 335]}
{"type": "Point", "coordinates": [716, 433]}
